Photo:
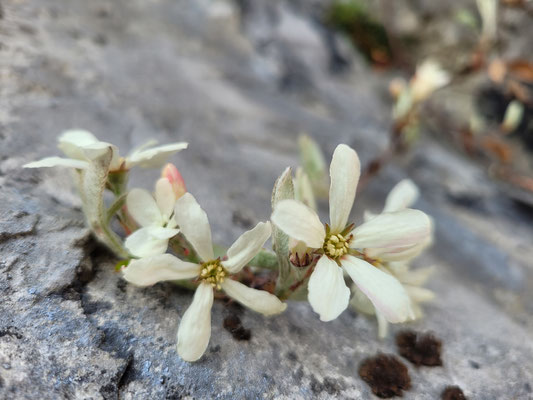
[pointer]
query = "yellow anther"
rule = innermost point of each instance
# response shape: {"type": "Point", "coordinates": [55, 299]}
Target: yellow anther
{"type": "Point", "coordinates": [213, 273]}
{"type": "Point", "coordinates": [336, 246]}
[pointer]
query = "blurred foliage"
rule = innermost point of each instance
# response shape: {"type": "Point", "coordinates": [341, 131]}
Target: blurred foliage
{"type": "Point", "coordinates": [365, 31]}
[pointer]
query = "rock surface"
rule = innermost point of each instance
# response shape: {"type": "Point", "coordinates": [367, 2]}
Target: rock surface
{"type": "Point", "coordinates": [239, 81]}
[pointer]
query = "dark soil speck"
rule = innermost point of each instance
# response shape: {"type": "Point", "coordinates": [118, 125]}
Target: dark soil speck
{"type": "Point", "coordinates": [232, 323]}
{"type": "Point", "coordinates": [386, 375]}
{"type": "Point", "coordinates": [453, 393]}
{"type": "Point", "coordinates": [420, 349]}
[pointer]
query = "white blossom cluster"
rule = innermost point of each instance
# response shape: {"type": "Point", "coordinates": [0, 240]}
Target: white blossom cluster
{"type": "Point", "coordinates": [311, 257]}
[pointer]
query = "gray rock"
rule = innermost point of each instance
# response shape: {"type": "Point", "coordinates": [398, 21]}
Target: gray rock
{"type": "Point", "coordinates": [214, 74]}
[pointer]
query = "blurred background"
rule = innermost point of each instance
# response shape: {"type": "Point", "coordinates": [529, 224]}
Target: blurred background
{"type": "Point", "coordinates": [438, 92]}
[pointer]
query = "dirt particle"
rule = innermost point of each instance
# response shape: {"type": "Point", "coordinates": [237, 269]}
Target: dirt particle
{"type": "Point", "coordinates": [386, 375]}
{"type": "Point", "coordinates": [232, 323]}
{"type": "Point", "coordinates": [453, 393]}
{"type": "Point", "coordinates": [420, 349]}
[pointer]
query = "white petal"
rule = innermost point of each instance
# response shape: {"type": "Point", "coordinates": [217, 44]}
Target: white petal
{"type": "Point", "coordinates": [246, 247]}
{"type": "Point", "coordinates": [368, 215]}
{"type": "Point", "coordinates": [165, 197]}
{"type": "Point", "coordinates": [162, 267]}
{"type": "Point", "coordinates": [193, 223]}
{"type": "Point", "coordinates": [72, 142]}
{"type": "Point", "coordinates": [328, 293]}
{"type": "Point", "coordinates": [299, 222]}
{"type": "Point", "coordinates": [155, 156]}
{"type": "Point", "coordinates": [344, 170]}
{"type": "Point", "coordinates": [403, 195]}
{"type": "Point", "coordinates": [57, 162]}
{"type": "Point", "coordinates": [143, 208]}
{"type": "Point", "coordinates": [361, 302]}
{"type": "Point", "coordinates": [384, 291]}
{"type": "Point", "coordinates": [257, 300]}
{"type": "Point", "coordinates": [398, 230]}
{"type": "Point", "coordinates": [419, 295]}
{"type": "Point", "coordinates": [416, 277]}
{"type": "Point", "coordinates": [383, 325]}
{"type": "Point", "coordinates": [149, 241]}
{"type": "Point", "coordinates": [96, 150]}
{"type": "Point", "coordinates": [194, 331]}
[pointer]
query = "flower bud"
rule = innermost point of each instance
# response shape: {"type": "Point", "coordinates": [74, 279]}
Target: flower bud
{"type": "Point", "coordinates": [300, 255]}
{"type": "Point", "coordinates": [171, 173]}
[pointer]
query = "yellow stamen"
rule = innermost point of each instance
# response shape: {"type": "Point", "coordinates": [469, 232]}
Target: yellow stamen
{"type": "Point", "coordinates": [213, 273]}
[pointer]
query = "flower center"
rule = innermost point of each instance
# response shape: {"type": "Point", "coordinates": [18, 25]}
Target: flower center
{"type": "Point", "coordinates": [335, 246]}
{"type": "Point", "coordinates": [213, 273]}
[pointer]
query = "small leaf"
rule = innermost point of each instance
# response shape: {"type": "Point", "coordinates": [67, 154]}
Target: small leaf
{"type": "Point", "coordinates": [283, 190]}
{"type": "Point", "coordinates": [314, 164]}
{"type": "Point", "coordinates": [120, 264]}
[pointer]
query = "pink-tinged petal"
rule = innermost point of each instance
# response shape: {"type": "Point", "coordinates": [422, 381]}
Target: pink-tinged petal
{"type": "Point", "coordinates": [402, 196]}
{"type": "Point", "coordinates": [299, 222]}
{"type": "Point", "coordinates": [194, 331]}
{"type": "Point", "coordinates": [344, 171]}
{"type": "Point", "coordinates": [57, 162]}
{"type": "Point", "coordinates": [328, 293]}
{"type": "Point", "coordinates": [246, 247]}
{"type": "Point", "coordinates": [176, 180]}
{"type": "Point", "coordinates": [143, 208]}
{"type": "Point", "coordinates": [384, 291]}
{"type": "Point", "coordinates": [193, 223]}
{"type": "Point", "coordinates": [162, 267]}
{"type": "Point", "coordinates": [397, 230]}
{"type": "Point", "coordinates": [258, 300]}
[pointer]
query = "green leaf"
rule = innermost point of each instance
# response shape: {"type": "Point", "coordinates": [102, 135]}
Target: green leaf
{"type": "Point", "coordinates": [314, 164]}
{"type": "Point", "coordinates": [92, 184]}
{"type": "Point", "coordinates": [283, 190]}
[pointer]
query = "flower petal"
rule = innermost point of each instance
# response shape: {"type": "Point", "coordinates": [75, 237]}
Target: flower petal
{"type": "Point", "coordinates": [361, 302]}
{"type": "Point", "coordinates": [193, 223]}
{"type": "Point", "coordinates": [73, 142]}
{"type": "Point", "coordinates": [149, 241]}
{"type": "Point", "coordinates": [246, 247]}
{"type": "Point", "coordinates": [194, 331]}
{"type": "Point", "coordinates": [344, 171]}
{"type": "Point", "coordinates": [165, 197]}
{"type": "Point", "coordinates": [257, 300]}
{"type": "Point", "coordinates": [155, 156]}
{"type": "Point", "coordinates": [391, 231]}
{"type": "Point", "coordinates": [383, 325]}
{"type": "Point", "coordinates": [143, 208]}
{"type": "Point", "coordinates": [419, 295]}
{"type": "Point", "coordinates": [299, 222]}
{"type": "Point", "coordinates": [384, 291]}
{"type": "Point", "coordinates": [162, 267]}
{"type": "Point", "coordinates": [403, 195]}
{"type": "Point", "coordinates": [328, 293]}
{"type": "Point", "coordinates": [57, 162]}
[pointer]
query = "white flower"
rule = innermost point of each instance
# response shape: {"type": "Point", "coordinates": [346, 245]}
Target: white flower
{"type": "Point", "coordinates": [403, 195]}
{"type": "Point", "coordinates": [412, 280]}
{"type": "Point", "coordinates": [76, 143]}
{"type": "Point", "coordinates": [340, 244]}
{"type": "Point", "coordinates": [155, 216]}
{"type": "Point", "coordinates": [195, 327]}
{"type": "Point", "coordinates": [429, 77]}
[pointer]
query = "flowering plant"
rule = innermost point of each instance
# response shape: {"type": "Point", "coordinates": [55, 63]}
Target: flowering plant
{"type": "Point", "coordinates": [166, 237]}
